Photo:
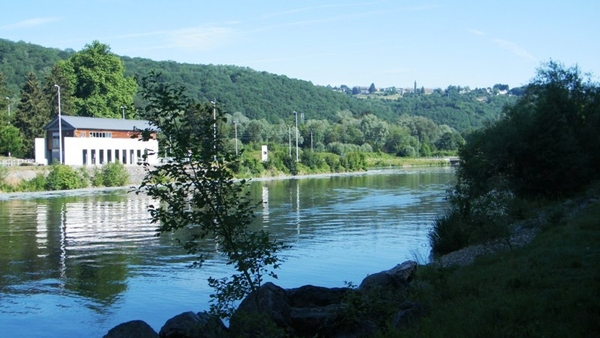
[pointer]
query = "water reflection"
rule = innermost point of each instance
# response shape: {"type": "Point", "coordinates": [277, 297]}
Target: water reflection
{"type": "Point", "coordinates": [76, 245]}
{"type": "Point", "coordinates": [97, 255]}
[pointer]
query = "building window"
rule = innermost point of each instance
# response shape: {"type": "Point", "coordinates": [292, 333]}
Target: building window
{"type": "Point", "coordinates": [55, 141]}
{"type": "Point", "coordinates": [100, 134]}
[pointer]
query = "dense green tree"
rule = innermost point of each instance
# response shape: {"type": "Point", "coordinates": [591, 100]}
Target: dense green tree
{"type": "Point", "coordinates": [33, 114]}
{"type": "Point", "coordinates": [98, 85]}
{"type": "Point", "coordinates": [449, 141]}
{"type": "Point", "coordinates": [399, 142]}
{"type": "Point", "coordinates": [4, 101]}
{"type": "Point", "coordinates": [546, 144]}
{"type": "Point", "coordinates": [57, 77]}
{"type": "Point", "coordinates": [11, 141]}
{"type": "Point", "coordinates": [315, 132]}
{"type": "Point", "coordinates": [372, 88]}
{"type": "Point", "coordinates": [374, 130]}
{"type": "Point", "coordinates": [197, 192]}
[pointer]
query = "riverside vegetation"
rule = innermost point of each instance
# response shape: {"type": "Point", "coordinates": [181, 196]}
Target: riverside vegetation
{"type": "Point", "coordinates": [511, 178]}
{"type": "Point", "coordinates": [63, 177]}
{"type": "Point", "coordinates": [537, 168]}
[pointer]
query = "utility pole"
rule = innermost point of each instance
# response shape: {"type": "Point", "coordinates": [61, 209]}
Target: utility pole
{"type": "Point", "coordinates": [123, 110]}
{"type": "Point", "coordinates": [214, 103]}
{"type": "Point", "coordinates": [296, 115]}
{"type": "Point", "coordinates": [290, 139]}
{"type": "Point", "coordinates": [236, 146]}
{"type": "Point", "coordinates": [60, 152]}
{"type": "Point", "coordinates": [8, 99]}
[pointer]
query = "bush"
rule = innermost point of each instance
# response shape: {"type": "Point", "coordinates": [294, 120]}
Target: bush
{"type": "Point", "coordinates": [113, 174]}
{"type": "Point", "coordinates": [3, 173]}
{"type": "Point", "coordinates": [63, 177]}
{"type": "Point", "coordinates": [450, 232]}
{"type": "Point", "coordinates": [38, 183]}
{"type": "Point", "coordinates": [312, 160]}
{"type": "Point", "coordinates": [96, 178]}
{"type": "Point", "coordinates": [354, 161]}
{"type": "Point", "coordinates": [333, 161]}
{"type": "Point", "coordinates": [290, 164]}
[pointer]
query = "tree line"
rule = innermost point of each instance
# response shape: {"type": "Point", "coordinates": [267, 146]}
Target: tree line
{"type": "Point", "coordinates": [96, 82]}
{"type": "Point", "coordinates": [544, 148]}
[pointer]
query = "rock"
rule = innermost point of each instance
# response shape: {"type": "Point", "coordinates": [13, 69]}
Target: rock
{"type": "Point", "coordinates": [193, 325]}
{"type": "Point", "coordinates": [314, 321]}
{"type": "Point", "coordinates": [271, 300]}
{"type": "Point", "coordinates": [394, 278]}
{"type": "Point", "coordinates": [314, 309]}
{"type": "Point", "coordinates": [132, 329]}
{"type": "Point", "coordinates": [312, 296]}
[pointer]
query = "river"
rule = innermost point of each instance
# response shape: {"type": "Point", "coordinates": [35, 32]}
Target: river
{"type": "Point", "coordinates": [76, 264]}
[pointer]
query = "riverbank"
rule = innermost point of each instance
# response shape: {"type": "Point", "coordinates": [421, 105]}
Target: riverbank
{"type": "Point", "coordinates": [17, 174]}
{"type": "Point", "coordinates": [547, 288]}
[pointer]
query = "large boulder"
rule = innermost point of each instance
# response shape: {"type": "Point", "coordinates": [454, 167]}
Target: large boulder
{"type": "Point", "coordinates": [313, 296]}
{"type": "Point", "coordinates": [315, 309]}
{"type": "Point", "coordinates": [132, 329]}
{"type": "Point", "coordinates": [271, 300]}
{"type": "Point", "coordinates": [193, 325]}
{"type": "Point", "coordinates": [395, 278]}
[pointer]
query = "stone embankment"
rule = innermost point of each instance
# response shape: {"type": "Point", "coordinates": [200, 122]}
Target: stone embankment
{"type": "Point", "coordinates": [307, 311]}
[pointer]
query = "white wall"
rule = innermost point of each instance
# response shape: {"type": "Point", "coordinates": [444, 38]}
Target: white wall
{"type": "Point", "coordinates": [97, 150]}
{"type": "Point", "coordinates": [40, 151]}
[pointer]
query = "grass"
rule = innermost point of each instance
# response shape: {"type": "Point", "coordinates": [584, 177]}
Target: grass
{"type": "Point", "coordinates": [550, 288]}
{"type": "Point", "coordinates": [386, 160]}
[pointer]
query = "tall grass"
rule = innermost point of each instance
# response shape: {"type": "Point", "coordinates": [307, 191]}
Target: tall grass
{"type": "Point", "coordinates": [550, 288]}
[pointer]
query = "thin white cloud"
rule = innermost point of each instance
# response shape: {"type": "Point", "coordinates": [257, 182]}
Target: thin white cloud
{"type": "Point", "coordinates": [286, 58]}
{"type": "Point", "coordinates": [201, 38]}
{"type": "Point", "coordinates": [342, 17]}
{"type": "Point", "coordinates": [514, 48]}
{"type": "Point", "coordinates": [33, 22]}
{"type": "Point", "coordinates": [477, 32]}
{"type": "Point", "coordinates": [313, 8]}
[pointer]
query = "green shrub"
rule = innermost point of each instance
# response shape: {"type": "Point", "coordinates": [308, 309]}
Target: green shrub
{"type": "Point", "coordinates": [450, 232]}
{"type": "Point", "coordinates": [63, 177]}
{"type": "Point", "coordinates": [312, 160]}
{"type": "Point", "coordinates": [3, 174]}
{"type": "Point", "coordinates": [355, 161]}
{"type": "Point", "coordinates": [254, 165]}
{"type": "Point", "coordinates": [113, 174]}
{"type": "Point", "coordinates": [333, 161]}
{"type": "Point", "coordinates": [38, 183]}
{"type": "Point", "coordinates": [96, 178]}
{"type": "Point", "coordinates": [290, 164]}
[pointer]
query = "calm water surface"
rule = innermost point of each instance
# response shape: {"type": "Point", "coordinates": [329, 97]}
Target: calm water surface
{"type": "Point", "coordinates": [78, 264]}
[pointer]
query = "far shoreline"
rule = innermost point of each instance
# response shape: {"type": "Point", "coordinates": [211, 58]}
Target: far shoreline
{"type": "Point", "coordinates": [132, 187]}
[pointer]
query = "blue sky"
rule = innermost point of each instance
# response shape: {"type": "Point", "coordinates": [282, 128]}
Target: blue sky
{"type": "Point", "coordinates": [389, 42]}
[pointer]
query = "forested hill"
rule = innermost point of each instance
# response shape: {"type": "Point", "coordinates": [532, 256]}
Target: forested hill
{"type": "Point", "coordinates": [258, 95]}
{"type": "Point", "coordinates": [261, 95]}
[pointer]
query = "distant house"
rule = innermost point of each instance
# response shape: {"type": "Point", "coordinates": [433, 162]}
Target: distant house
{"type": "Point", "coordinates": [95, 141]}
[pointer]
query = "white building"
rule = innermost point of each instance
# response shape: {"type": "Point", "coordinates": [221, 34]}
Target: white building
{"type": "Point", "coordinates": [95, 141]}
